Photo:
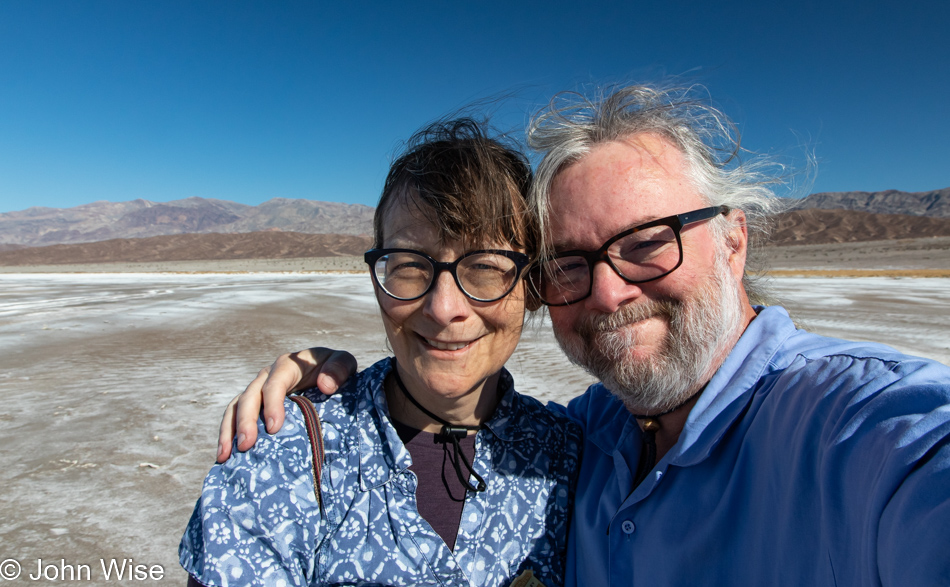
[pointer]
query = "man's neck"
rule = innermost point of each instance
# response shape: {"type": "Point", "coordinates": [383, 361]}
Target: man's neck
{"type": "Point", "coordinates": [671, 424]}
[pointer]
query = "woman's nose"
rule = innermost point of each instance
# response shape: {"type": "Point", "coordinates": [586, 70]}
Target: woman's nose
{"type": "Point", "coordinates": [445, 302]}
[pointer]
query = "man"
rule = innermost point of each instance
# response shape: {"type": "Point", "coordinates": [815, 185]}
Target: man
{"type": "Point", "coordinates": [748, 452]}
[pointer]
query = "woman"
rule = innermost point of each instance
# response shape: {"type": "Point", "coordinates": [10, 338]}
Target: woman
{"type": "Point", "coordinates": [436, 472]}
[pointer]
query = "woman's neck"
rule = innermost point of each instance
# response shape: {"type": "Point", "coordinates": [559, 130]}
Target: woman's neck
{"type": "Point", "coordinates": [470, 409]}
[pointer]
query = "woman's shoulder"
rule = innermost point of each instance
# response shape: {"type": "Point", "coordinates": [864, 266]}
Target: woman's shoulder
{"type": "Point", "coordinates": [545, 415]}
{"type": "Point", "coordinates": [281, 460]}
{"type": "Point", "coordinates": [257, 508]}
{"type": "Point", "coordinates": [359, 393]}
{"type": "Point", "coordinates": [363, 384]}
{"type": "Point", "coordinates": [528, 421]}
{"type": "Point", "coordinates": [541, 417]}
{"type": "Point", "coordinates": [354, 411]}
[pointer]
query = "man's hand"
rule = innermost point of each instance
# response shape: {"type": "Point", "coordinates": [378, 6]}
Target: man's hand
{"type": "Point", "coordinates": [323, 368]}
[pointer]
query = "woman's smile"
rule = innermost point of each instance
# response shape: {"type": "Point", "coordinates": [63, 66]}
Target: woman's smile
{"type": "Point", "coordinates": [448, 345]}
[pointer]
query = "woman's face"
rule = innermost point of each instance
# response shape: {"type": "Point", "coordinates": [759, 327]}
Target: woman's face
{"type": "Point", "coordinates": [444, 342]}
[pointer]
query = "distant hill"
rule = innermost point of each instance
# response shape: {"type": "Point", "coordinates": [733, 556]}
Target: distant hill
{"type": "Point", "coordinates": [101, 221]}
{"type": "Point", "coordinates": [797, 227]}
{"type": "Point", "coordinates": [819, 218]}
{"type": "Point", "coordinates": [935, 203]}
{"type": "Point", "coordinates": [810, 227]}
{"type": "Point", "coordinates": [189, 247]}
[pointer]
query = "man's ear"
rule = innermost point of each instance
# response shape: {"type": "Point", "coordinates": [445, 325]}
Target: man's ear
{"type": "Point", "coordinates": [737, 240]}
{"type": "Point", "coordinates": [532, 301]}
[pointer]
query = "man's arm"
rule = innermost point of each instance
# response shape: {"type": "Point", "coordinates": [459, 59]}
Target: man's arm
{"type": "Point", "coordinates": [325, 369]}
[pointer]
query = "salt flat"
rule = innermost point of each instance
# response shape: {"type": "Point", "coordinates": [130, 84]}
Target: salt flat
{"type": "Point", "coordinates": [113, 384]}
{"type": "Point", "coordinates": [911, 315]}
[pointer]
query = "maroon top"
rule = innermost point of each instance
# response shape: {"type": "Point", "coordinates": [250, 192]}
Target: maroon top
{"type": "Point", "coordinates": [440, 495]}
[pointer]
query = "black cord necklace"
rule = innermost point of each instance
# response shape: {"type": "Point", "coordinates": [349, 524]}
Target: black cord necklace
{"type": "Point", "coordinates": [650, 426]}
{"type": "Point", "coordinates": [454, 432]}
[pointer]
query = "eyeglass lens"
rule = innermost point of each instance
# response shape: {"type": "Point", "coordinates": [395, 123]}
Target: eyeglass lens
{"type": "Point", "coordinates": [640, 256]}
{"type": "Point", "coordinates": [482, 276]}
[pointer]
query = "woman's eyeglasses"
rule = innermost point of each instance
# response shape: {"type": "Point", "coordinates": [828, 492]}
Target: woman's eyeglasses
{"type": "Point", "coordinates": [483, 276]}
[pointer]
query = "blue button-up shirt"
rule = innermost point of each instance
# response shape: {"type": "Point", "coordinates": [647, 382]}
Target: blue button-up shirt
{"type": "Point", "coordinates": [258, 523]}
{"type": "Point", "coordinates": [806, 461]}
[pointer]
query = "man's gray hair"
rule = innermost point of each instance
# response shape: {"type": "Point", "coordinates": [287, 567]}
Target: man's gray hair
{"type": "Point", "coordinates": [571, 125]}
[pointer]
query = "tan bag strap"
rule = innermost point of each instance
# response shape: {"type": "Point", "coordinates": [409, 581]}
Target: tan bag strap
{"type": "Point", "coordinates": [312, 422]}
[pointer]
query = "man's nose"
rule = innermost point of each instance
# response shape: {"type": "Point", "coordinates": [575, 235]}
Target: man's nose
{"type": "Point", "coordinates": [445, 303]}
{"type": "Point", "coordinates": [609, 291]}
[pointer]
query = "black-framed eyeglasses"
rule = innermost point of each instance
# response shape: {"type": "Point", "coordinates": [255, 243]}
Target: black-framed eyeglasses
{"type": "Point", "coordinates": [484, 276]}
{"type": "Point", "coordinates": [640, 254]}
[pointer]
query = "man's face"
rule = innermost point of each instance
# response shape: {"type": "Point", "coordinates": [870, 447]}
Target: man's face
{"type": "Point", "coordinates": [655, 343]}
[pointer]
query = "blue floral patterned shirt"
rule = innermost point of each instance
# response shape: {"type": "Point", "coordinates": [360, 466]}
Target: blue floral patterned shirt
{"type": "Point", "coordinates": [258, 522]}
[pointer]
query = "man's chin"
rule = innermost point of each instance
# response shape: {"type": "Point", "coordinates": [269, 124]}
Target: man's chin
{"type": "Point", "coordinates": [641, 336]}
{"type": "Point", "coordinates": [638, 354]}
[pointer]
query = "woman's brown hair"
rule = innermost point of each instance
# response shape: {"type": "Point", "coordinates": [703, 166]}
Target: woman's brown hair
{"type": "Point", "coordinates": [471, 186]}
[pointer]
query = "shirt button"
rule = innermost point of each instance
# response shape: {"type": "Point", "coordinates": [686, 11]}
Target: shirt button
{"type": "Point", "coordinates": [628, 527]}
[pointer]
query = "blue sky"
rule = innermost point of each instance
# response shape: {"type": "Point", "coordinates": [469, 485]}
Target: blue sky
{"type": "Point", "coordinates": [246, 101]}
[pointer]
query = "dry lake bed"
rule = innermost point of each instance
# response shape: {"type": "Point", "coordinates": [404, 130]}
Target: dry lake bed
{"type": "Point", "coordinates": [112, 387]}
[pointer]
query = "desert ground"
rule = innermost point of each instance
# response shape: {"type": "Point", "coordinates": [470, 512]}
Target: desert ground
{"type": "Point", "coordinates": [916, 255]}
{"type": "Point", "coordinates": [114, 378]}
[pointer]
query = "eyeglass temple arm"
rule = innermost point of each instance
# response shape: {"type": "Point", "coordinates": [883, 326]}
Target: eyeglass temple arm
{"type": "Point", "coordinates": [704, 214]}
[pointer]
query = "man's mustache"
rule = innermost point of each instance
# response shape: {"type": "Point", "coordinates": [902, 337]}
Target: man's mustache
{"type": "Point", "coordinates": [628, 314]}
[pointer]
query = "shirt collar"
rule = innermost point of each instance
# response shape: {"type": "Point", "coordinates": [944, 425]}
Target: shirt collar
{"type": "Point", "coordinates": [729, 391]}
{"type": "Point", "coordinates": [383, 454]}
{"type": "Point", "coordinates": [508, 413]}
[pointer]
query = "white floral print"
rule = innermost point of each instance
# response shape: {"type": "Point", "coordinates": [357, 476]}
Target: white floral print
{"type": "Point", "coordinates": [258, 522]}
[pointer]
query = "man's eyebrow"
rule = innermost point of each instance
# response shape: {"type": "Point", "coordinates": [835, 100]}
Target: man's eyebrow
{"type": "Point", "coordinates": [559, 248]}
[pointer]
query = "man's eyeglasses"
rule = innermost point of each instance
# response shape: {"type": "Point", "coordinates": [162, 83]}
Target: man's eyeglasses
{"type": "Point", "coordinates": [640, 254]}
{"type": "Point", "coordinates": [484, 276]}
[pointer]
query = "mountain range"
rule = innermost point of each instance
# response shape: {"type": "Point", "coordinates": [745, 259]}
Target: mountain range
{"type": "Point", "coordinates": [192, 247]}
{"type": "Point", "coordinates": [817, 226]}
{"type": "Point", "coordinates": [204, 229]}
{"type": "Point", "coordinates": [101, 221]}
{"type": "Point", "coordinates": [933, 203]}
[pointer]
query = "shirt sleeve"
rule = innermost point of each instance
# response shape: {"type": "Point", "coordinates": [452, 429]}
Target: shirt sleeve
{"type": "Point", "coordinates": [884, 467]}
{"type": "Point", "coordinates": [257, 521]}
{"type": "Point", "coordinates": [914, 532]}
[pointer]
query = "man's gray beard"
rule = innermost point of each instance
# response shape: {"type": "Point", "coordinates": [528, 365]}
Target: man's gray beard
{"type": "Point", "coordinates": [699, 329]}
